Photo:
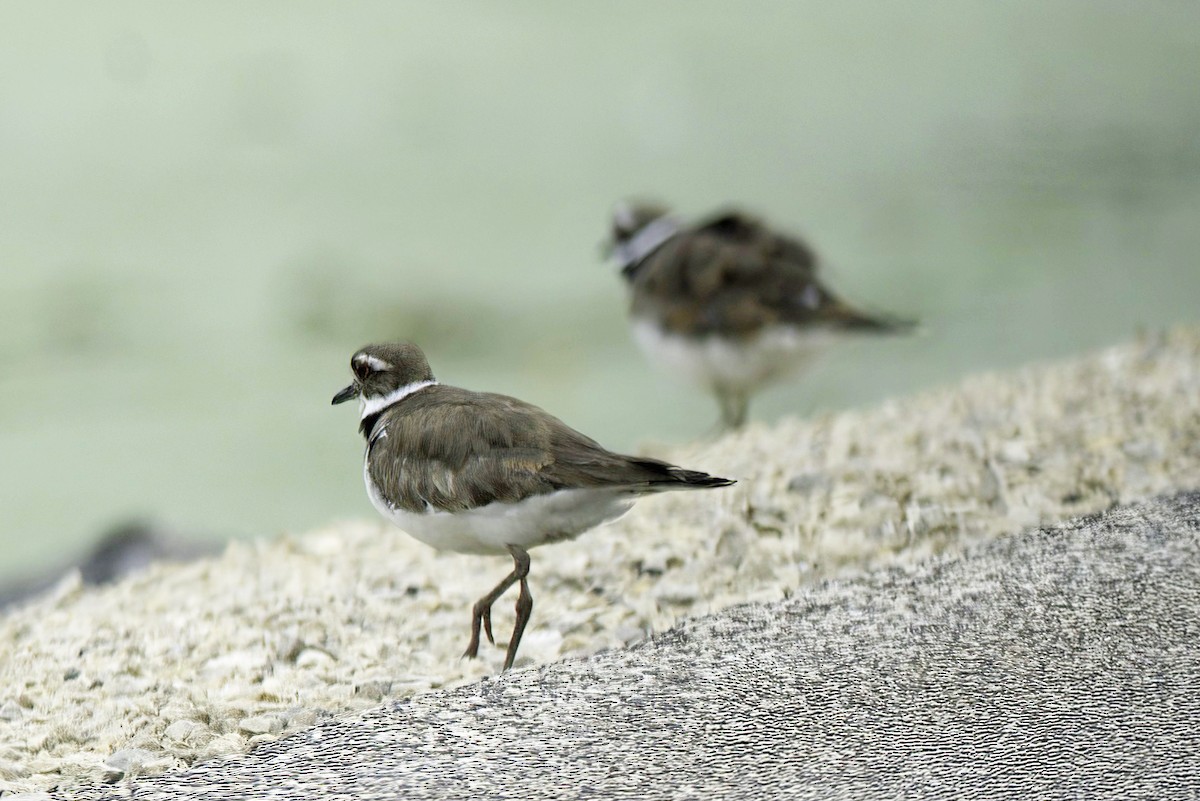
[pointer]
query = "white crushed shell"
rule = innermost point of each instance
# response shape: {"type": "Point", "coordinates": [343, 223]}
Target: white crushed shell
{"type": "Point", "coordinates": [182, 730]}
{"type": "Point", "coordinates": [131, 762]}
{"type": "Point", "coordinates": [261, 724]}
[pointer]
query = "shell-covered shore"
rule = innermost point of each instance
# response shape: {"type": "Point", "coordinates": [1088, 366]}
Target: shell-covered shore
{"type": "Point", "coordinates": [179, 663]}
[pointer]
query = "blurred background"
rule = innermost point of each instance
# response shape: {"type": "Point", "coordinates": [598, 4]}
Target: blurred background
{"type": "Point", "coordinates": [206, 208]}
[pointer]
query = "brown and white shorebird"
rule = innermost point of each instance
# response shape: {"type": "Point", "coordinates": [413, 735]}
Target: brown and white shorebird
{"type": "Point", "coordinates": [727, 302]}
{"type": "Point", "coordinates": [479, 473]}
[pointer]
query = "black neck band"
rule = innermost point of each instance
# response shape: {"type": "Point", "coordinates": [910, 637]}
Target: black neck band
{"type": "Point", "coordinates": [368, 424]}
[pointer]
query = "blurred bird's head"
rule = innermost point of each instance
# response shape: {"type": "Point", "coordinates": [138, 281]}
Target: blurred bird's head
{"type": "Point", "coordinates": [638, 228]}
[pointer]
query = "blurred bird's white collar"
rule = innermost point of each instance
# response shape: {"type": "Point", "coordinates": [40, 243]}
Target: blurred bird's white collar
{"type": "Point", "coordinates": [646, 241]}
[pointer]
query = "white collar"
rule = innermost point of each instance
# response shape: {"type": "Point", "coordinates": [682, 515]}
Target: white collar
{"type": "Point", "coordinates": [370, 406]}
{"type": "Point", "coordinates": [646, 241]}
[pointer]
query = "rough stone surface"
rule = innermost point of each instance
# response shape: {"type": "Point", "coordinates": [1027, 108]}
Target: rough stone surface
{"type": "Point", "coordinates": [1060, 663]}
{"type": "Point", "coordinates": [175, 659]}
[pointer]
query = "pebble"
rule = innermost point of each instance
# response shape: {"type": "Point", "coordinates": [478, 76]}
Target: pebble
{"type": "Point", "coordinates": [375, 690]}
{"type": "Point", "coordinates": [673, 593]}
{"type": "Point", "coordinates": [127, 761]}
{"type": "Point", "coordinates": [261, 724]}
{"type": "Point", "coordinates": [182, 730]}
{"type": "Point", "coordinates": [313, 658]}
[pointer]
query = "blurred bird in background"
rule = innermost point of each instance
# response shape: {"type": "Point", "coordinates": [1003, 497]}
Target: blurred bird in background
{"type": "Point", "coordinates": [728, 303]}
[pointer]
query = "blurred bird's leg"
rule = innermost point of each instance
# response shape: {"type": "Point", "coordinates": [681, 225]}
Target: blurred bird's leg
{"type": "Point", "coordinates": [722, 394]}
{"type": "Point", "coordinates": [734, 403]}
{"type": "Point", "coordinates": [741, 408]}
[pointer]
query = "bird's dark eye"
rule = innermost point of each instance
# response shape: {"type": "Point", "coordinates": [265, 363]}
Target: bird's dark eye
{"type": "Point", "coordinates": [361, 368]}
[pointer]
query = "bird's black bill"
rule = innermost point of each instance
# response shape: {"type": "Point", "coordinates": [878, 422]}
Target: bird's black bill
{"type": "Point", "coordinates": [346, 394]}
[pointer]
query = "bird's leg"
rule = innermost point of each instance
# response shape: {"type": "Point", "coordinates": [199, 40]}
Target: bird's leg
{"type": "Point", "coordinates": [481, 614]}
{"type": "Point", "coordinates": [524, 610]}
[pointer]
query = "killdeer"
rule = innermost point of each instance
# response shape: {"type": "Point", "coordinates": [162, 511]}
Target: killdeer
{"type": "Point", "coordinates": [479, 473]}
{"type": "Point", "coordinates": [727, 302]}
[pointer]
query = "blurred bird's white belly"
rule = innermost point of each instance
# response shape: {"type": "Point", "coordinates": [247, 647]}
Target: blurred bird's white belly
{"type": "Point", "coordinates": [538, 520]}
{"type": "Point", "coordinates": [715, 361]}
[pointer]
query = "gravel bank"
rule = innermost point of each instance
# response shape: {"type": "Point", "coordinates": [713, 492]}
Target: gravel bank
{"type": "Point", "coordinates": [1054, 663]}
{"type": "Point", "coordinates": [180, 663]}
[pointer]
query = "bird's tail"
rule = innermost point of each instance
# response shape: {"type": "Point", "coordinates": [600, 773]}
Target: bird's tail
{"type": "Point", "coordinates": [848, 318]}
{"type": "Point", "coordinates": [669, 477]}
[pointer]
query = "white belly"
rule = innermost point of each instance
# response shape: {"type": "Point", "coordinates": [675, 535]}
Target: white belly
{"type": "Point", "coordinates": [539, 520]}
{"type": "Point", "coordinates": [714, 361]}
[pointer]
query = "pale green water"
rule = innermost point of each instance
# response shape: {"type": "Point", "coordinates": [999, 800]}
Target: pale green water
{"type": "Point", "coordinates": [205, 209]}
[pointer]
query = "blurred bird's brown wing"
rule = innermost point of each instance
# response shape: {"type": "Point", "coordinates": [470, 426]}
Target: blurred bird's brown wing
{"type": "Point", "coordinates": [729, 275]}
{"type": "Point", "coordinates": [736, 229]}
{"type": "Point", "coordinates": [734, 276]}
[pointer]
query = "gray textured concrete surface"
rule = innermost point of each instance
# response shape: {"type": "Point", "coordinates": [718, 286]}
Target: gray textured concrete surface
{"type": "Point", "coordinates": [1056, 663]}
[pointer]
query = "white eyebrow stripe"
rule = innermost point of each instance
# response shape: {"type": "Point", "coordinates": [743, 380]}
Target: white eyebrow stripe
{"type": "Point", "coordinates": [378, 403]}
{"type": "Point", "coordinates": [374, 362]}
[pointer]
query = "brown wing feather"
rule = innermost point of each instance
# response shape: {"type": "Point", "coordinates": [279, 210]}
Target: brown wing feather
{"type": "Point", "coordinates": [437, 448]}
{"type": "Point", "coordinates": [454, 450]}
